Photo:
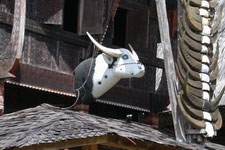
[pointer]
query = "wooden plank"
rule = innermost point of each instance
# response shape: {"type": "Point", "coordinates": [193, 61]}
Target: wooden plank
{"type": "Point", "coordinates": [169, 65]}
{"type": "Point", "coordinates": [90, 147]}
{"type": "Point", "coordinates": [90, 17]}
{"type": "Point", "coordinates": [153, 62]}
{"type": "Point", "coordinates": [48, 12]}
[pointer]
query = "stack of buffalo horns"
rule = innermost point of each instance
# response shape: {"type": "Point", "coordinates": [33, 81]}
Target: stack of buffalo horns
{"type": "Point", "coordinates": [197, 67]}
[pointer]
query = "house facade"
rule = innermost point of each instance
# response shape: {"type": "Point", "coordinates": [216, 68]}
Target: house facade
{"type": "Point", "coordinates": [55, 43]}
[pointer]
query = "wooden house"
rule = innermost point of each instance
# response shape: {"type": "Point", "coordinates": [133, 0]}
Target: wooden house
{"type": "Point", "coordinates": [55, 43]}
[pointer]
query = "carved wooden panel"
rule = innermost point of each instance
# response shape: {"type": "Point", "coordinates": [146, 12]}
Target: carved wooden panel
{"type": "Point", "coordinates": [48, 11]}
{"type": "Point", "coordinates": [41, 50]}
{"type": "Point", "coordinates": [40, 77]}
{"type": "Point", "coordinates": [7, 6]}
{"type": "Point", "coordinates": [4, 38]}
{"type": "Point", "coordinates": [45, 52]}
{"type": "Point", "coordinates": [68, 57]}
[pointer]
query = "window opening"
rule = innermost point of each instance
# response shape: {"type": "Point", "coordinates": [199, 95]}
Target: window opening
{"type": "Point", "coordinates": [120, 27]}
{"type": "Point", "coordinates": [70, 15]}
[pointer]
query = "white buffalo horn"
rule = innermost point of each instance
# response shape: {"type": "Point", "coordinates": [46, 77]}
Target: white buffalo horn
{"type": "Point", "coordinates": [133, 52]}
{"type": "Point", "coordinates": [108, 51]}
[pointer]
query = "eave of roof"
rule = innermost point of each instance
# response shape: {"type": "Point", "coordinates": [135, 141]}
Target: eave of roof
{"type": "Point", "coordinates": [50, 125]}
{"type": "Point", "coordinates": [74, 95]}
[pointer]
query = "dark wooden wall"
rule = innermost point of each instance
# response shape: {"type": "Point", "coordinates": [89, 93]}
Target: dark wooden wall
{"type": "Point", "coordinates": [51, 54]}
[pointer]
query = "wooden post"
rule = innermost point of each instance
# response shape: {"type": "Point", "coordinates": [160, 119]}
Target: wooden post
{"type": "Point", "coordinates": [169, 66]}
{"type": "Point", "coordinates": [1, 97]}
{"type": "Point", "coordinates": [82, 108]}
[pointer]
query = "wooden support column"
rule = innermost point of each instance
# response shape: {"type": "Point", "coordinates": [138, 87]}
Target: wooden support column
{"type": "Point", "coordinates": [82, 108]}
{"type": "Point", "coordinates": [169, 66]}
{"type": "Point", "coordinates": [152, 119]}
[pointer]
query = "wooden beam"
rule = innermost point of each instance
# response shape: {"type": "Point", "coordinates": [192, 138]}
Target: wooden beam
{"type": "Point", "coordinates": [45, 30]}
{"type": "Point", "coordinates": [157, 146]}
{"type": "Point", "coordinates": [127, 143]}
{"type": "Point", "coordinates": [131, 5]}
{"type": "Point", "coordinates": [169, 65]}
{"type": "Point", "coordinates": [153, 62]}
{"type": "Point", "coordinates": [93, 142]}
{"type": "Point", "coordinates": [68, 144]}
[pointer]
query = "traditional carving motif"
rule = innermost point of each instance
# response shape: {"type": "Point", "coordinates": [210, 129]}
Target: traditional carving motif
{"type": "Point", "coordinates": [197, 67]}
{"type": "Point", "coordinates": [48, 12]}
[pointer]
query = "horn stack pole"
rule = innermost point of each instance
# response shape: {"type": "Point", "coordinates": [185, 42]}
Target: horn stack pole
{"type": "Point", "coordinates": [197, 69]}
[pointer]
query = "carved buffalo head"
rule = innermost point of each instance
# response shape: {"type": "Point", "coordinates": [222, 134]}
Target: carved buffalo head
{"type": "Point", "coordinates": [124, 63]}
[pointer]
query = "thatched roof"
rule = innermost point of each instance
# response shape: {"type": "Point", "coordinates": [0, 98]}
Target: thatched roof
{"type": "Point", "coordinates": [48, 124]}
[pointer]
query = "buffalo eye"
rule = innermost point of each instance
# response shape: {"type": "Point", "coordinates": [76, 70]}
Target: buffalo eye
{"type": "Point", "coordinates": [125, 57]}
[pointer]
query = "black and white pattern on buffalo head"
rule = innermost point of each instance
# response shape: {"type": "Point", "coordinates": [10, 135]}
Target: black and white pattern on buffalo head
{"type": "Point", "coordinates": [105, 71]}
{"type": "Point", "coordinates": [127, 64]}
